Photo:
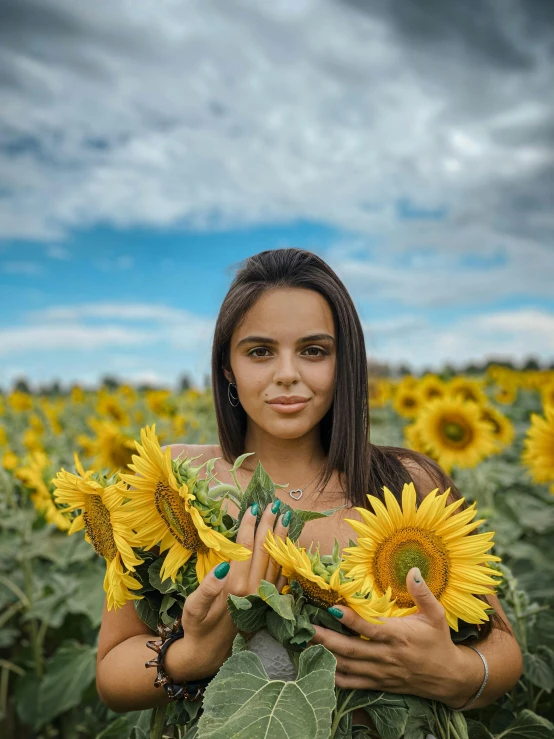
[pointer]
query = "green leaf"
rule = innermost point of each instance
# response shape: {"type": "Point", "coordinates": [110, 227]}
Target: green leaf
{"type": "Point", "coordinates": [280, 628]}
{"type": "Point", "coordinates": [182, 712]}
{"type": "Point", "coordinates": [261, 489]}
{"type": "Point", "coordinates": [248, 613]}
{"type": "Point", "coordinates": [528, 725]}
{"type": "Point", "coordinates": [165, 586]}
{"type": "Point", "coordinates": [147, 613]}
{"type": "Point", "coordinates": [243, 703]}
{"type": "Point", "coordinates": [26, 704]}
{"type": "Point", "coordinates": [239, 644]}
{"type": "Point", "coordinates": [300, 517]}
{"type": "Point", "coordinates": [531, 513]}
{"type": "Point", "coordinates": [89, 596]}
{"type": "Point", "coordinates": [239, 460]}
{"type": "Point", "coordinates": [281, 604]}
{"type": "Point", "coordinates": [537, 668]}
{"type": "Point", "coordinates": [477, 730]}
{"type": "Point", "coordinates": [70, 672]}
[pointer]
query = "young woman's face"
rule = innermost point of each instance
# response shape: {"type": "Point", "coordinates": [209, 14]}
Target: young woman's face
{"type": "Point", "coordinates": [285, 346]}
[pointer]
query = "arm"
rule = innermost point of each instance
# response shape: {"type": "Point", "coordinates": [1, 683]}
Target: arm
{"type": "Point", "coordinates": [122, 681]}
{"type": "Point", "coordinates": [500, 648]}
{"type": "Point", "coordinates": [504, 658]}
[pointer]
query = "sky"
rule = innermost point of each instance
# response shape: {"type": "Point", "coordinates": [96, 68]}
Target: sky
{"type": "Point", "coordinates": [147, 147]}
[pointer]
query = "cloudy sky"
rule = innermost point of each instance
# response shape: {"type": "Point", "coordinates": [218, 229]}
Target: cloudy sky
{"type": "Point", "coordinates": [147, 146]}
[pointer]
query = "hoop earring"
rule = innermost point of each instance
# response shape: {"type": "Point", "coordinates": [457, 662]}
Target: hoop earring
{"type": "Point", "coordinates": [230, 396]}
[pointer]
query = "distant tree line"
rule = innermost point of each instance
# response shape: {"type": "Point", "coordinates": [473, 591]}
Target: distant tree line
{"type": "Point", "coordinates": [374, 369]}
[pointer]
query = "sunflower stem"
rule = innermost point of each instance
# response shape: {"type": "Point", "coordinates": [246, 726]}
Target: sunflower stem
{"type": "Point", "coordinates": [157, 722]}
{"type": "Point", "coordinates": [28, 588]}
{"type": "Point", "coordinates": [339, 714]}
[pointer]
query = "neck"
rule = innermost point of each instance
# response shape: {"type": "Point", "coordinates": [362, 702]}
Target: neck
{"type": "Point", "coordinates": [295, 461]}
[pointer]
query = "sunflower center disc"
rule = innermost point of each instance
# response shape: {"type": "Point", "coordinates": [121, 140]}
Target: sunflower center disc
{"type": "Point", "coordinates": [407, 548]}
{"type": "Point", "coordinates": [316, 595]}
{"type": "Point", "coordinates": [99, 527]}
{"type": "Point", "coordinates": [171, 508]}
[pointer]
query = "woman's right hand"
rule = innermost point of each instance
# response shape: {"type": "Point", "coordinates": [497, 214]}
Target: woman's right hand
{"type": "Point", "coordinates": [209, 629]}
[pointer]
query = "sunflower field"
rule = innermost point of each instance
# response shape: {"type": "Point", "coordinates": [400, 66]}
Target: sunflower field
{"type": "Point", "coordinates": [494, 434]}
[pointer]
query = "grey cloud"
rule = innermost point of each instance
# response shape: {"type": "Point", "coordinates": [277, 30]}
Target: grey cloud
{"type": "Point", "coordinates": [161, 113]}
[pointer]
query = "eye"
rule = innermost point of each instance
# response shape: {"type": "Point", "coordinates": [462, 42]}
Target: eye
{"type": "Point", "coordinates": [258, 349]}
{"type": "Point", "coordinates": [317, 349]}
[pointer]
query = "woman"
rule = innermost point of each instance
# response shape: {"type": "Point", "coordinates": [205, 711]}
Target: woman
{"type": "Point", "coordinates": [289, 379]}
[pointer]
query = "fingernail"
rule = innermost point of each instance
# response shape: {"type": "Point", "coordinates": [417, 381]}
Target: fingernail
{"type": "Point", "coordinates": [285, 518]}
{"type": "Point", "coordinates": [254, 509]}
{"type": "Point", "coordinates": [276, 505]}
{"type": "Point", "coordinates": [221, 570]}
{"type": "Point", "coordinates": [336, 612]}
{"type": "Point", "coordinates": [417, 575]}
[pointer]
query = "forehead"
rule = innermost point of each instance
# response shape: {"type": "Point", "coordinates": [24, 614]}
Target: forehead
{"type": "Point", "coordinates": [287, 313]}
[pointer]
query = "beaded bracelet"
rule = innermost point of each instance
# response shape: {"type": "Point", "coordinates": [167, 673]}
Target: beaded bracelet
{"type": "Point", "coordinates": [468, 704]}
{"type": "Point", "coordinates": [190, 691]}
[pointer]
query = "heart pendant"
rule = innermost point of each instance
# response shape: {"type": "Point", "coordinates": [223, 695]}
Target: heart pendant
{"type": "Point", "coordinates": [293, 496]}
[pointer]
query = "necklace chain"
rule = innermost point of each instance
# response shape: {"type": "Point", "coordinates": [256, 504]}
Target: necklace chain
{"type": "Point", "coordinates": [300, 491]}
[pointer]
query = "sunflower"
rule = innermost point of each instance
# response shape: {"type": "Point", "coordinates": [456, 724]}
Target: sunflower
{"type": "Point", "coordinates": [166, 512]}
{"type": "Point", "coordinates": [538, 453]}
{"type": "Point", "coordinates": [394, 539]}
{"type": "Point", "coordinates": [407, 402]}
{"type": "Point", "coordinates": [108, 406]}
{"type": "Point", "coordinates": [35, 476]}
{"type": "Point", "coordinates": [431, 387]}
{"type": "Point", "coordinates": [9, 460]}
{"type": "Point", "coordinates": [454, 432]}
{"type": "Point", "coordinates": [111, 448]}
{"type": "Point", "coordinates": [379, 392]}
{"type": "Point", "coordinates": [506, 394]}
{"type": "Point", "coordinates": [502, 427]}
{"type": "Point", "coordinates": [324, 587]}
{"type": "Point", "coordinates": [466, 389]}
{"type": "Point", "coordinates": [547, 393]}
{"type": "Point", "coordinates": [104, 516]}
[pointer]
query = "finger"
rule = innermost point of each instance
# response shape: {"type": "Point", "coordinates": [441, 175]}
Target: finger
{"type": "Point", "coordinates": [340, 644]}
{"type": "Point", "coordinates": [199, 603]}
{"type": "Point", "coordinates": [379, 632]}
{"type": "Point", "coordinates": [356, 682]}
{"type": "Point", "coordinates": [240, 571]}
{"type": "Point", "coordinates": [281, 582]}
{"type": "Point", "coordinates": [273, 571]}
{"type": "Point", "coordinates": [360, 667]}
{"type": "Point", "coordinates": [282, 526]}
{"type": "Point", "coordinates": [427, 605]}
{"type": "Point", "coordinates": [260, 555]}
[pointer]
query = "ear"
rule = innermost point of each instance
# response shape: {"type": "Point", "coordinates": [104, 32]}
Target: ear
{"type": "Point", "coordinates": [228, 375]}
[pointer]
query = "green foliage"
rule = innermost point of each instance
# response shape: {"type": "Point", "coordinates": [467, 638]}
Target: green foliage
{"type": "Point", "coordinates": [244, 703]}
{"type": "Point", "coordinates": [51, 600]}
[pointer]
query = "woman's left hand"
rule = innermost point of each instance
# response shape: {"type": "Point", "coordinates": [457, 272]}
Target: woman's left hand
{"type": "Point", "coordinates": [413, 654]}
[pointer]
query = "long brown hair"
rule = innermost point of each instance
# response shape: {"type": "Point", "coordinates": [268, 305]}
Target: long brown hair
{"type": "Point", "coordinates": [363, 467]}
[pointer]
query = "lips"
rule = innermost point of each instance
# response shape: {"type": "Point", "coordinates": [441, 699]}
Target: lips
{"type": "Point", "coordinates": [288, 400]}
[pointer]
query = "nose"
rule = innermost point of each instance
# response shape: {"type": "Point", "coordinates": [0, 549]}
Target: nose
{"type": "Point", "coordinates": [286, 369]}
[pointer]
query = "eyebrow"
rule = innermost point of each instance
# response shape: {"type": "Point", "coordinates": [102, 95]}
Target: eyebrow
{"type": "Point", "coordinates": [268, 340]}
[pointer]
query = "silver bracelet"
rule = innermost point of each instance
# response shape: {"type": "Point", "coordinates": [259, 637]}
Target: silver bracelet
{"type": "Point", "coordinates": [468, 704]}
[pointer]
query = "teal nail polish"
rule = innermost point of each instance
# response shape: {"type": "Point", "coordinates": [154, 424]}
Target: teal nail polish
{"type": "Point", "coordinates": [221, 570]}
{"type": "Point", "coordinates": [417, 575]}
{"type": "Point", "coordinates": [285, 520]}
{"type": "Point", "coordinates": [336, 612]}
{"type": "Point", "coordinates": [276, 505]}
{"type": "Point", "coordinates": [254, 509]}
